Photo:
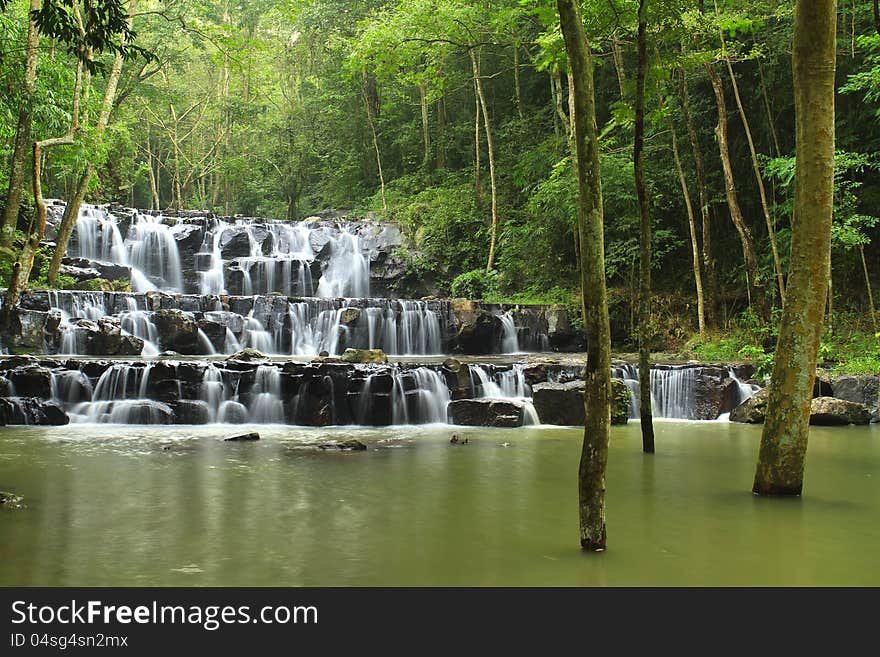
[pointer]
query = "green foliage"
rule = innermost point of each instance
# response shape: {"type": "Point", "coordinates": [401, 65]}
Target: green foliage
{"type": "Point", "coordinates": [478, 285]}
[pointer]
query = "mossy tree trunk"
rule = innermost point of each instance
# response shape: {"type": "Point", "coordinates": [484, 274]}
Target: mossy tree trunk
{"type": "Point", "coordinates": [645, 411]}
{"type": "Point", "coordinates": [594, 455]}
{"type": "Point", "coordinates": [783, 451]}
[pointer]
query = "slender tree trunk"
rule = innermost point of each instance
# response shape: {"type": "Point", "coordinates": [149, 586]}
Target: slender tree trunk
{"type": "Point", "coordinates": [371, 119]}
{"type": "Point", "coordinates": [770, 122]}
{"type": "Point", "coordinates": [441, 133]}
{"type": "Point", "coordinates": [426, 126]}
{"type": "Point", "coordinates": [618, 64]}
{"type": "Point", "coordinates": [23, 131]}
{"type": "Point", "coordinates": [71, 212]}
{"type": "Point", "coordinates": [705, 219]}
{"type": "Point", "coordinates": [490, 146]}
{"type": "Point", "coordinates": [557, 101]}
{"type": "Point", "coordinates": [478, 185]}
{"type": "Point", "coordinates": [645, 411]}
{"type": "Point", "coordinates": [692, 224]}
{"type": "Point", "coordinates": [771, 231]}
{"type": "Point", "coordinates": [154, 187]}
{"type": "Point", "coordinates": [868, 286]}
{"type": "Point", "coordinates": [597, 429]}
{"type": "Point", "coordinates": [745, 233]}
{"type": "Point", "coordinates": [516, 81]}
{"type": "Point", "coordinates": [780, 469]}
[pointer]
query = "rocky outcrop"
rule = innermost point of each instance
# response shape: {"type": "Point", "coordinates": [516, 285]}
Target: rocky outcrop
{"type": "Point", "coordinates": [828, 411]}
{"type": "Point", "coordinates": [563, 403]}
{"type": "Point", "coordinates": [31, 411]}
{"type": "Point", "coordinates": [364, 356]}
{"type": "Point", "coordinates": [504, 413]}
{"type": "Point", "coordinates": [178, 331]}
{"type": "Point", "coordinates": [859, 389]}
{"type": "Point", "coordinates": [753, 410]}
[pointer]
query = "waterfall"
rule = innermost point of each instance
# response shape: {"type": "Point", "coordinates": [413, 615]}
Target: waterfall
{"type": "Point", "coordinates": [266, 405]}
{"type": "Point", "coordinates": [505, 384]}
{"type": "Point", "coordinates": [419, 396]}
{"type": "Point", "coordinates": [152, 251]}
{"type": "Point", "coordinates": [347, 272]}
{"type": "Point", "coordinates": [509, 339]}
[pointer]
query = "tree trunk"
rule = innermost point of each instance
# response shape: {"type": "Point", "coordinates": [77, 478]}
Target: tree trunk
{"type": "Point", "coordinates": [426, 128]}
{"type": "Point", "coordinates": [780, 469]}
{"type": "Point", "coordinates": [441, 133]}
{"type": "Point", "coordinates": [23, 132]}
{"type": "Point", "coordinates": [745, 233]}
{"type": "Point", "coordinates": [775, 135]}
{"type": "Point", "coordinates": [692, 224]}
{"type": "Point", "coordinates": [645, 412]}
{"type": "Point", "coordinates": [71, 212]}
{"type": "Point", "coordinates": [618, 65]}
{"type": "Point", "coordinates": [705, 219]}
{"type": "Point", "coordinates": [516, 81]}
{"type": "Point", "coordinates": [478, 185]}
{"type": "Point", "coordinates": [597, 429]}
{"type": "Point", "coordinates": [490, 146]}
{"type": "Point", "coordinates": [771, 231]}
{"type": "Point", "coordinates": [371, 119]}
{"type": "Point", "coordinates": [870, 290]}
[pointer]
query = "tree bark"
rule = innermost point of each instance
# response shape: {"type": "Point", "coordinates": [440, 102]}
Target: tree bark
{"type": "Point", "coordinates": [597, 428]}
{"type": "Point", "coordinates": [426, 127]}
{"type": "Point", "coordinates": [516, 81]}
{"type": "Point", "coordinates": [617, 55]}
{"type": "Point", "coordinates": [771, 231]}
{"type": "Point", "coordinates": [870, 290]}
{"type": "Point", "coordinates": [23, 131]}
{"type": "Point", "coordinates": [705, 219]}
{"type": "Point", "coordinates": [745, 233]}
{"type": "Point", "coordinates": [645, 411]}
{"type": "Point", "coordinates": [74, 203]}
{"type": "Point", "coordinates": [692, 224]}
{"type": "Point", "coordinates": [780, 469]}
{"type": "Point", "coordinates": [371, 119]}
{"type": "Point", "coordinates": [490, 146]}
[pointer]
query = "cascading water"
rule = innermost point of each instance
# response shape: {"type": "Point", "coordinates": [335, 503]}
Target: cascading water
{"type": "Point", "coordinates": [509, 338]}
{"type": "Point", "coordinates": [505, 384]}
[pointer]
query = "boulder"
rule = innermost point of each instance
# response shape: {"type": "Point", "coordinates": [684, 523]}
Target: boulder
{"type": "Point", "coordinates": [506, 413]}
{"type": "Point", "coordinates": [859, 389]}
{"type": "Point", "coordinates": [562, 335]}
{"type": "Point", "coordinates": [31, 381]}
{"type": "Point", "coordinates": [376, 356]}
{"type": "Point", "coordinates": [249, 355]}
{"type": "Point", "coordinates": [344, 446]}
{"type": "Point", "coordinates": [31, 411]}
{"type": "Point", "coordinates": [350, 316]}
{"type": "Point", "coordinates": [105, 338]}
{"type": "Point", "coordinates": [563, 403]}
{"type": "Point", "coordinates": [178, 331]}
{"type": "Point", "coordinates": [829, 411]}
{"type": "Point", "coordinates": [235, 242]}
{"type": "Point", "coordinates": [190, 411]}
{"type": "Point", "coordinates": [243, 438]}
{"type": "Point", "coordinates": [11, 500]}
{"type": "Point", "coordinates": [477, 330]}
{"type": "Point", "coordinates": [753, 410]}
{"type": "Point", "coordinates": [714, 393]}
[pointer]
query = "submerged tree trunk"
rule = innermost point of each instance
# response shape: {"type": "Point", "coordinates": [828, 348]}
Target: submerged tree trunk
{"type": "Point", "coordinates": [490, 146]}
{"type": "Point", "coordinates": [23, 131]}
{"type": "Point", "coordinates": [745, 233]}
{"type": "Point", "coordinates": [705, 220]}
{"type": "Point", "coordinates": [597, 428]}
{"type": "Point", "coordinates": [645, 411]}
{"type": "Point", "coordinates": [780, 469]}
{"type": "Point", "coordinates": [771, 231]}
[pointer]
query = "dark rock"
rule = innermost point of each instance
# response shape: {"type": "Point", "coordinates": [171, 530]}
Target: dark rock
{"type": "Point", "coordinates": [350, 316]}
{"type": "Point", "coordinates": [188, 411]}
{"type": "Point", "coordinates": [753, 410]}
{"type": "Point", "coordinates": [452, 365]}
{"type": "Point", "coordinates": [177, 331]}
{"type": "Point", "coordinates": [32, 381]}
{"type": "Point", "coordinates": [245, 437]}
{"type": "Point", "coordinates": [829, 411]}
{"type": "Point", "coordinates": [506, 413]}
{"type": "Point", "coordinates": [859, 389]}
{"type": "Point", "coordinates": [32, 412]}
{"type": "Point", "coordinates": [235, 243]}
{"type": "Point", "coordinates": [477, 331]}
{"type": "Point", "coordinates": [824, 385]}
{"type": "Point", "coordinates": [714, 393]}
{"type": "Point", "coordinates": [563, 403]}
{"type": "Point", "coordinates": [345, 446]}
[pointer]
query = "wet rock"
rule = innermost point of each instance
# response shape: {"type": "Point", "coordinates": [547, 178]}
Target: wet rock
{"type": "Point", "coordinates": [714, 393]}
{"type": "Point", "coordinates": [177, 331]}
{"type": "Point", "coordinates": [505, 413]}
{"type": "Point", "coordinates": [32, 381]}
{"type": "Point", "coordinates": [11, 500]}
{"type": "Point", "coordinates": [235, 243]}
{"type": "Point", "coordinates": [824, 385]}
{"type": "Point", "coordinates": [535, 373]}
{"type": "Point", "coordinates": [243, 438]}
{"type": "Point", "coordinates": [364, 356]}
{"type": "Point", "coordinates": [753, 410]}
{"type": "Point", "coordinates": [452, 365]}
{"type": "Point", "coordinates": [249, 355]}
{"type": "Point", "coordinates": [477, 331]}
{"type": "Point", "coordinates": [31, 411]}
{"type": "Point", "coordinates": [106, 338]}
{"type": "Point", "coordinates": [187, 411]}
{"type": "Point", "coordinates": [828, 411]}
{"type": "Point", "coordinates": [345, 446]}
{"type": "Point", "coordinates": [189, 237]}
{"type": "Point", "coordinates": [563, 403]}
{"type": "Point", "coordinates": [859, 389]}
{"type": "Point", "coordinates": [350, 316]}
